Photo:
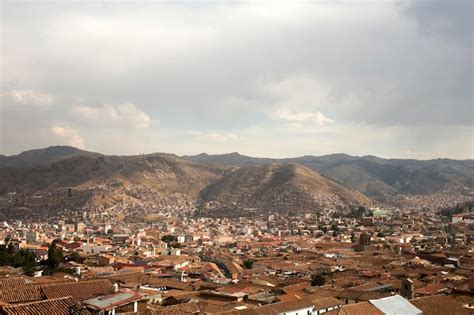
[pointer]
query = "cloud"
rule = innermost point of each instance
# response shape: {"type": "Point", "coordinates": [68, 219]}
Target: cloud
{"type": "Point", "coordinates": [29, 98]}
{"type": "Point", "coordinates": [302, 117]}
{"type": "Point", "coordinates": [264, 78]}
{"type": "Point", "coordinates": [64, 134]}
{"type": "Point", "coordinates": [297, 99]}
{"type": "Point", "coordinates": [451, 20]}
{"type": "Point", "coordinates": [213, 136]}
{"type": "Point", "coordinates": [125, 114]}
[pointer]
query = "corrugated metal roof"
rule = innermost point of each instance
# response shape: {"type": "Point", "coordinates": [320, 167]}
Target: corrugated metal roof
{"type": "Point", "coordinates": [396, 305]}
{"type": "Point", "coordinates": [109, 301]}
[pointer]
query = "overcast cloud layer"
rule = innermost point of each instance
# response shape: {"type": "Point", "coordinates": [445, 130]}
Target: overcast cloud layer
{"type": "Point", "coordinates": [275, 79]}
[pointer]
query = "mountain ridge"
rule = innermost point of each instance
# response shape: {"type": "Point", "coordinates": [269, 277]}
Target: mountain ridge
{"type": "Point", "coordinates": [284, 187]}
{"type": "Point", "coordinates": [162, 182]}
{"type": "Point", "coordinates": [373, 176]}
{"type": "Point", "coordinates": [43, 156]}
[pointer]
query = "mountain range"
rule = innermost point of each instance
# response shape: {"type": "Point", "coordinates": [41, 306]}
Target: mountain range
{"type": "Point", "coordinates": [371, 175]}
{"type": "Point", "coordinates": [278, 187]}
{"type": "Point", "coordinates": [62, 177]}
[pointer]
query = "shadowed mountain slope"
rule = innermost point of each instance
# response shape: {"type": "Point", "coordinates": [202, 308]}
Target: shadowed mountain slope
{"type": "Point", "coordinates": [278, 187]}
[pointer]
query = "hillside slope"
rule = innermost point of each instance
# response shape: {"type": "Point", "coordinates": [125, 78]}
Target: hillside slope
{"type": "Point", "coordinates": [278, 187]}
{"type": "Point", "coordinates": [373, 176]}
{"type": "Point", "coordinates": [159, 181]}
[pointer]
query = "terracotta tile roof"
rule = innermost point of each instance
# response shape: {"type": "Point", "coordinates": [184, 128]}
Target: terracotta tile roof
{"type": "Point", "coordinates": [360, 296]}
{"type": "Point", "coordinates": [229, 308]}
{"type": "Point", "coordinates": [465, 299]}
{"type": "Point", "coordinates": [170, 283]}
{"type": "Point", "coordinates": [15, 290]}
{"type": "Point", "coordinates": [397, 284]}
{"type": "Point", "coordinates": [4, 282]}
{"type": "Point", "coordinates": [431, 289]}
{"type": "Point", "coordinates": [292, 296]}
{"type": "Point", "coordinates": [270, 279]}
{"type": "Point", "coordinates": [81, 290]}
{"type": "Point", "coordinates": [296, 287]}
{"type": "Point", "coordinates": [179, 309]}
{"type": "Point", "coordinates": [183, 295]}
{"type": "Point", "coordinates": [317, 292]}
{"type": "Point", "coordinates": [243, 287]}
{"type": "Point", "coordinates": [233, 267]}
{"type": "Point", "coordinates": [127, 277]}
{"type": "Point", "coordinates": [154, 281]}
{"type": "Point", "coordinates": [438, 305]}
{"type": "Point", "coordinates": [46, 307]}
{"type": "Point", "coordinates": [200, 285]}
{"type": "Point", "coordinates": [364, 308]}
{"type": "Point", "coordinates": [50, 279]}
{"type": "Point", "coordinates": [281, 307]}
{"type": "Point", "coordinates": [327, 302]}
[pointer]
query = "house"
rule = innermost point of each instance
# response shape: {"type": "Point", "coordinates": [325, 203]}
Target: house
{"type": "Point", "coordinates": [302, 307]}
{"type": "Point", "coordinates": [99, 260]}
{"type": "Point", "coordinates": [431, 289]}
{"type": "Point", "coordinates": [364, 308]}
{"type": "Point", "coordinates": [352, 296]}
{"type": "Point", "coordinates": [326, 304]}
{"type": "Point", "coordinates": [184, 308]}
{"type": "Point", "coordinates": [115, 303]}
{"type": "Point", "coordinates": [439, 305]}
{"type": "Point", "coordinates": [466, 301]}
{"type": "Point", "coordinates": [15, 290]}
{"type": "Point", "coordinates": [65, 305]}
{"type": "Point", "coordinates": [80, 291]}
{"type": "Point", "coordinates": [233, 269]}
{"type": "Point", "coordinates": [266, 281]}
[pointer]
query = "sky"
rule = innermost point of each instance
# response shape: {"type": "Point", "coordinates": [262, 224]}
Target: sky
{"type": "Point", "coordinates": [267, 78]}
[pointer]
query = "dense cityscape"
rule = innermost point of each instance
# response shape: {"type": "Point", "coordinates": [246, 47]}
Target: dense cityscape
{"type": "Point", "coordinates": [236, 157]}
{"type": "Point", "coordinates": [168, 254]}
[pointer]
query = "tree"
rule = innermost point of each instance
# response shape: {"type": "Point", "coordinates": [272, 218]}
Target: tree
{"type": "Point", "coordinates": [323, 228]}
{"type": "Point", "coordinates": [336, 215]}
{"type": "Point", "coordinates": [55, 256]}
{"type": "Point", "coordinates": [169, 238]}
{"type": "Point", "coordinates": [248, 263]}
{"type": "Point", "coordinates": [317, 280]}
{"type": "Point", "coordinates": [10, 249]}
{"type": "Point", "coordinates": [21, 258]}
{"type": "Point", "coordinates": [360, 212]}
{"type": "Point", "coordinates": [75, 256]}
{"type": "Point", "coordinates": [6, 253]}
{"type": "Point", "coordinates": [353, 238]}
{"type": "Point", "coordinates": [29, 262]}
{"type": "Point", "coordinates": [174, 245]}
